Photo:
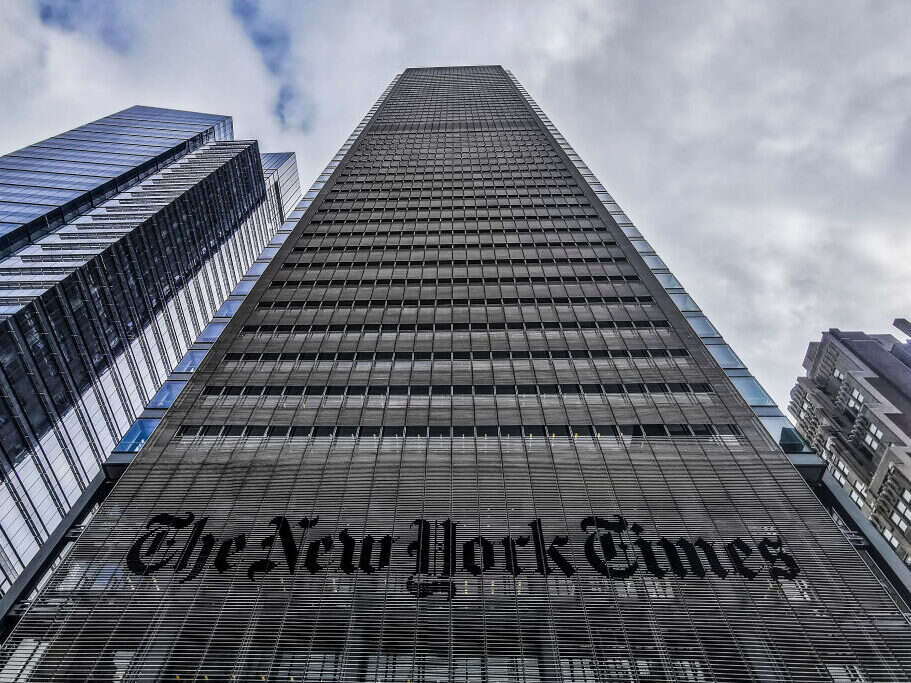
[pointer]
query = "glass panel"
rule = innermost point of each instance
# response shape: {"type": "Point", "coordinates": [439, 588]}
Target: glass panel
{"type": "Point", "coordinates": [243, 287]}
{"type": "Point", "coordinates": [784, 434]}
{"type": "Point", "coordinates": [191, 361]}
{"type": "Point", "coordinates": [725, 356]}
{"type": "Point", "coordinates": [702, 326]}
{"type": "Point", "coordinates": [166, 395]}
{"type": "Point", "coordinates": [754, 394]}
{"type": "Point", "coordinates": [137, 435]}
{"type": "Point", "coordinates": [228, 309]}
{"type": "Point", "coordinates": [257, 269]}
{"type": "Point", "coordinates": [642, 245]}
{"type": "Point", "coordinates": [684, 302]}
{"type": "Point", "coordinates": [653, 262]}
{"type": "Point", "coordinates": [668, 280]}
{"type": "Point", "coordinates": [210, 334]}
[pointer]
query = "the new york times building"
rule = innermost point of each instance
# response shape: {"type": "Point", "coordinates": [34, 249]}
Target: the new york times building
{"type": "Point", "coordinates": [460, 430]}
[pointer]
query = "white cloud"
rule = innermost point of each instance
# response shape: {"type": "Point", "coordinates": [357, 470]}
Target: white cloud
{"type": "Point", "coordinates": [765, 152]}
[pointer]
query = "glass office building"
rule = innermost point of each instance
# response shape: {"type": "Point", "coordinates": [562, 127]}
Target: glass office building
{"type": "Point", "coordinates": [119, 240]}
{"type": "Point", "coordinates": [460, 430]}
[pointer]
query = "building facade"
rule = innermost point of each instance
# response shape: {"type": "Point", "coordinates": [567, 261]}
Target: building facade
{"type": "Point", "coordinates": [854, 407]}
{"type": "Point", "coordinates": [121, 239]}
{"type": "Point", "coordinates": [460, 429]}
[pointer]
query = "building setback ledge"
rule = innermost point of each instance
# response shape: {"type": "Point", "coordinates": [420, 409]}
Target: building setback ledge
{"type": "Point", "coordinates": [810, 466]}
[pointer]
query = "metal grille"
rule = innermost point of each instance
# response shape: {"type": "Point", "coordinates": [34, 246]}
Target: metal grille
{"type": "Point", "coordinates": [343, 491]}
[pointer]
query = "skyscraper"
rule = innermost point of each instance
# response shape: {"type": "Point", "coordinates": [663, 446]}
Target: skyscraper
{"type": "Point", "coordinates": [120, 240]}
{"type": "Point", "coordinates": [854, 406]}
{"type": "Point", "coordinates": [466, 426]}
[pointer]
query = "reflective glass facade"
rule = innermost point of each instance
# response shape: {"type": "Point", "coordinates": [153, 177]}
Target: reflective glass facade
{"type": "Point", "coordinates": [96, 310]}
{"type": "Point", "coordinates": [45, 184]}
{"type": "Point", "coordinates": [287, 181]}
{"type": "Point", "coordinates": [459, 430]}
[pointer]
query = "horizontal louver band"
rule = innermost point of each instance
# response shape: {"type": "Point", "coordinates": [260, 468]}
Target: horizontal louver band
{"type": "Point", "coordinates": [457, 431]}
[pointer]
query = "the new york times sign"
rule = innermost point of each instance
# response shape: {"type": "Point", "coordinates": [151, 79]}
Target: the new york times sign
{"type": "Point", "coordinates": [612, 546]}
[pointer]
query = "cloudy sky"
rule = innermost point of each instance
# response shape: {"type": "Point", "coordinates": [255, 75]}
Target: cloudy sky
{"type": "Point", "coordinates": [763, 148]}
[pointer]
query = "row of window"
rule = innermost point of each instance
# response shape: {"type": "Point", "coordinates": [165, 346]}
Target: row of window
{"type": "Point", "coordinates": [456, 389]}
{"type": "Point", "coordinates": [479, 215]}
{"type": "Point", "coordinates": [382, 160]}
{"type": "Point", "coordinates": [397, 303]}
{"type": "Point", "coordinates": [527, 176]}
{"type": "Point", "coordinates": [428, 281]}
{"type": "Point", "coordinates": [383, 152]}
{"type": "Point", "coordinates": [465, 238]}
{"type": "Point", "coordinates": [337, 203]}
{"type": "Point", "coordinates": [458, 327]}
{"type": "Point", "coordinates": [362, 245]}
{"type": "Point", "coordinates": [873, 435]}
{"type": "Point", "coordinates": [435, 190]}
{"type": "Point", "coordinates": [398, 157]}
{"type": "Point", "coordinates": [902, 515]}
{"type": "Point", "coordinates": [394, 156]}
{"type": "Point", "coordinates": [474, 254]}
{"type": "Point", "coordinates": [521, 166]}
{"type": "Point", "coordinates": [469, 431]}
{"type": "Point", "coordinates": [445, 356]}
{"type": "Point", "coordinates": [450, 191]}
{"type": "Point", "coordinates": [461, 227]}
{"type": "Point", "coordinates": [453, 147]}
{"type": "Point", "coordinates": [430, 263]}
{"type": "Point", "coordinates": [452, 182]}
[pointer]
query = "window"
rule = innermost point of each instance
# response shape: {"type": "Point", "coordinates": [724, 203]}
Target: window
{"type": "Point", "coordinates": [684, 302]}
{"type": "Point", "coordinates": [752, 392]}
{"type": "Point", "coordinates": [873, 437]}
{"type": "Point", "coordinates": [243, 287]}
{"type": "Point", "coordinates": [668, 281]}
{"type": "Point", "coordinates": [211, 332]}
{"type": "Point", "coordinates": [653, 262]}
{"type": "Point", "coordinates": [856, 402]}
{"type": "Point", "coordinates": [859, 494]}
{"type": "Point", "coordinates": [840, 471]}
{"type": "Point", "coordinates": [702, 326]}
{"type": "Point", "coordinates": [784, 434]}
{"type": "Point", "coordinates": [137, 435]}
{"type": "Point", "coordinates": [228, 308]}
{"type": "Point", "coordinates": [166, 395]}
{"type": "Point", "coordinates": [725, 356]}
{"type": "Point", "coordinates": [190, 361]}
{"type": "Point", "coordinates": [902, 515]}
